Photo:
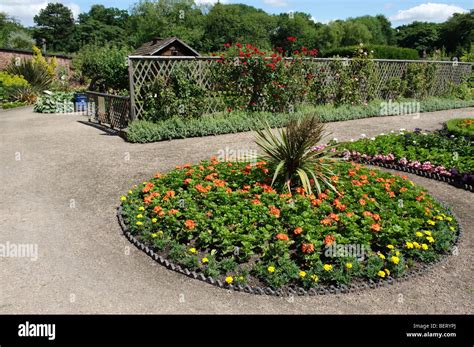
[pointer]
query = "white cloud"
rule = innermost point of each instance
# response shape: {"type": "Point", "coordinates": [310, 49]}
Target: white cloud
{"type": "Point", "coordinates": [275, 3]}
{"type": "Point", "coordinates": [208, 2]}
{"type": "Point", "coordinates": [324, 21]}
{"type": "Point", "coordinates": [429, 12]}
{"type": "Point", "coordinates": [25, 10]}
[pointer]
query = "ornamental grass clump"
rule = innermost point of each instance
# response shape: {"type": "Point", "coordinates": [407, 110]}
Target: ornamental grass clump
{"type": "Point", "coordinates": [290, 153]}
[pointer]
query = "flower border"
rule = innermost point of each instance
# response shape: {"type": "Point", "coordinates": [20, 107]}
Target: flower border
{"type": "Point", "coordinates": [296, 290]}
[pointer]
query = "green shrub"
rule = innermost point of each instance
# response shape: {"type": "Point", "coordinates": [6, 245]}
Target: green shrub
{"type": "Point", "coordinates": [9, 85]}
{"type": "Point", "coordinates": [104, 66]}
{"type": "Point", "coordinates": [379, 52]}
{"type": "Point", "coordinates": [179, 94]}
{"type": "Point", "coordinates": [419, 79]}
{"type": "Point", "coordinates": [225, 123]}
{"type": "Point", "coordinates": [55, 102]}
{"type": "Point", "coordinates": [461, 127]}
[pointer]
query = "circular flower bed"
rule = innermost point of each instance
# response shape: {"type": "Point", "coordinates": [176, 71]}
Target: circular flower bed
{"type": "Point", "coordinates": [224, 220]}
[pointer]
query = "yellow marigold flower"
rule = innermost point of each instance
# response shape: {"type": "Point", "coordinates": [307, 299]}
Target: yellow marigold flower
{"type": "Point", "coordinates": [160, 232]}
{"type": "Point", "coordinates": [430, 239]}
{"type": "Point", "coordinates": [123, 198]}
{"type": "Point", "coordinates": [145, 183]}
{"type": "Point", "coordinates": [411, 182]}
{"type": "Point", "coordinates": [395, 259]}
{"type": "Point", "coordinates": [431, 222]}
{"type": "Point", "coordinates": [138, 223]}
{"type": "Point", "coordinates": [397, 253]}
{"type": "Point", "coordinates": [314, 278]}
{"type": "Point", "coordinates": [349, 265]}
{"type": "Point", "coordinates": [271, 269]}
{"type": "Point", "coordinates": [381, 273]}
{"type": "Point", "coordinates": [229, 279]}
{"type": "Point", "coordinates": [417, 245]}
{"type": "Point", "coordinates": [302, 274]}
{"type": "Point", "coordinates": [428, 233]}
{"type": "Point", "coordinates": [141, 208]}
{"type": "Point", "coordinates": [424, 246]}
{"type": "Point", "coordinates": [381, 255]}
{"type": "Point", "coordinates": [449, 219]}
{"type": "Point", "coordinates": [241, 278]}
{"type": "Point", "coordinates": [154, 220]}
{"type": "Point", "coordinates": [139, 215]}
{"type": "Point", "coordinates": [154, 235]}
{"type": "Point", "coordinates": [387, 271]}
{"type": "Point", "coordinates": [419, 234]}
{"type": "Point", "coordinates": [409, 245]}
{"type": "Point", "coordinates": [452, 228]}
{"type": "Point", "coordinates": [130, 192]}
{"type": "Point", "coordinates": [327, 267]}
{"type": "Point", "coordinates": [390, 247]}
{"type": "Point", "coordinates": [192, 250]}
{"type": "Point", "coordinates": [204, 260]}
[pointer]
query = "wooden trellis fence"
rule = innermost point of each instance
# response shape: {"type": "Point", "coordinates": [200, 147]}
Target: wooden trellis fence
{"type": "Point", "coordinates": [145, 69]}
{"type": "Point", "coordinates": [113, 110]}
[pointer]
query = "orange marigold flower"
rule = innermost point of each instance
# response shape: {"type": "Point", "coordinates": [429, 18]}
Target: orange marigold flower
{"type": "Point", "coordinates": [375, 227]}
{"type": "Point", "coordinates": [334, 216]}
{"type": "Point", "coordinates": [219, 183]}
{"type": "Point", "coordinates": [329, 239]}
{"type": "Point", "coordinates": [362, 202]}
{"type": "Point", "coordinates": [334, 178]}
{"type": "Point", "coordinates": [298, 230]}
{"type": "Point", "coordinates": [256, 202]}
{"type": "Point", "coordinates": [173, 211]}
{"type": "Point", "coordinates": [158, 175]}
{"type": "Point", "coordinates": [322, 196]}
{"type": "Point", "coordinates": [147, 187]}
{"type": "Point", "coordinates": [211, 168]}
{"type": "Point", "coordinates": [403, 189]}
{"type": "Point", "coordinates": [391, 194]}
{"type": "Point", "coordinates": [326, 221]}
{"type": "Point", "coordinates": [316, 202]}
{"type": "Point", "coordinates": [157, 209]}
{"type": "Point", "coordinates": [229, 164]}
{"type": "Point", "coordinates": [376, 216]}
{"type": "Point", "coordinates": [189, 172]}
{"type": "Point", "coordinates": [372, 173]}
{"type": "Point", "coordinates": [356, 183]}
{"type": "Point", "coordinates": [274, 211]}
{"type": "Point", "coordinates": [352, 173]}
{"type": "Point", "coordinates": [367, 214]}
{"type": "Point", "coordinates": [190, 224]}
{"type": "Point", "coordinates": [420, 198]}
{"type": "Point", "coordinates": [307, 248]}
{"type": "Point", "coordinates": [178, 167]}
{"type": "Point", "coordinates": [187, 166]}
{"type": "Point", "coordinates": [187, 180]}
{"type": "Point", "coordinates": [349, 214]}
{"type": "Point", "coordinates": [282, 237]}
{"type": "Point", "coordinates": [363, 177]}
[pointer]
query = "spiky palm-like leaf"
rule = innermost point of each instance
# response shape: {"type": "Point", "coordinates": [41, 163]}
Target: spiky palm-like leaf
{"type": "Point", "coordinates": [290, 153]}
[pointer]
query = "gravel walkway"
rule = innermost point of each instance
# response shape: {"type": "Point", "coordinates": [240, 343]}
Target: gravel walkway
{"type": "Point", "coordinates": [62, 194]}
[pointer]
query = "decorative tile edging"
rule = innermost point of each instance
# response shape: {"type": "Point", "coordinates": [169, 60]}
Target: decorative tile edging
{"type": "Point", "coordinates": [289, 290]}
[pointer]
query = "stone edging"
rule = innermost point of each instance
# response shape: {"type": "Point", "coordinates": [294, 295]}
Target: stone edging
{"type": "Point", "coordinates": [290, 290]}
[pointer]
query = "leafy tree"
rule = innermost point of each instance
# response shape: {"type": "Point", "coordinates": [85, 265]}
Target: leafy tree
{"type": "Point", "coordinates": [457, 33]}
{"type": "Point", "coordinates": [54, 24]}
{"type": "Point", "coordinates": [379, 28]}
{"type": "Point", "coordinates": [13, 34]}
{"type": "Point", "coordinates": [236, 23]}
{"type": "Point", "coordinates": [164, 18]}
{"type": "Point", "coordinates": [421, 36]}
{"type": "Point", "coordinates": [20, 39]}
{"type": "Point", "coordinates": [298, 25]}
{"type": "Point", "coordinates": [100, 25]}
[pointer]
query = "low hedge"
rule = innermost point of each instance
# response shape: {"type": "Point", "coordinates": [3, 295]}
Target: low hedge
{"type": "Point", "coordinates": [461, 127]}
{"type": "Point", "coordinates": [380, 52]}
{"type": "Point", "coordinates": [225, 123]}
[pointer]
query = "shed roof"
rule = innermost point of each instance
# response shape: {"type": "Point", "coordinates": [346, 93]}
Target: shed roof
{"type": "Point", "coordinates": [158, 44]}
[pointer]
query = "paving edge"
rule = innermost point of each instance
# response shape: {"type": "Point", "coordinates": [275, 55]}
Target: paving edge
{"type": "Point", "coordinates": [292, 290]}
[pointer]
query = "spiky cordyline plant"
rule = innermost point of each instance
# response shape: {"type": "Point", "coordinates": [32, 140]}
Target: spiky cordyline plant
{"type": "Point", "coordinates": [289, 151]}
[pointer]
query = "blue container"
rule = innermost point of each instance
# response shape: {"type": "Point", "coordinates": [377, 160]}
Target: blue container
{"type": "Point", "coordinates": [80, 102]}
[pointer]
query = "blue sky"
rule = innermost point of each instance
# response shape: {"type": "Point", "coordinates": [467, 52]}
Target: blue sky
{"type": "Point", "coordinates": [398, 11]}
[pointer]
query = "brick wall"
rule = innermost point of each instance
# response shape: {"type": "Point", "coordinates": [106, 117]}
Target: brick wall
{"type": "Point", "coordinates": [7, 55]}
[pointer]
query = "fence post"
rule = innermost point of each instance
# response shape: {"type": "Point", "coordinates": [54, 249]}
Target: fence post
{"type": "Point", "coordinates": [131, 89]}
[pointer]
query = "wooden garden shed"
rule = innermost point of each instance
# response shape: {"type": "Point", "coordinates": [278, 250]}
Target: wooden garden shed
{"type": "Point", "coordinates": [171, 46]}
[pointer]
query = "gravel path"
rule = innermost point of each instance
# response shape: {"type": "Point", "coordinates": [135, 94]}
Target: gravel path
{"type": "Point", "coordinates": [60, 185]}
